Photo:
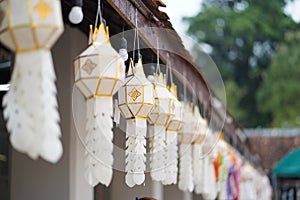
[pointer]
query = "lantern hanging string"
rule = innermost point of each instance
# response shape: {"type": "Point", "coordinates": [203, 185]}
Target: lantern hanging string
{"type": "Point", "coordinates": [136, 38]}
{"type": "Point", "coordinates": [194, 94]}
{"type": "Point", "coordinates": [169, 70]}
{"type": "Point", "coordinates": [99, 14]}
{"type": "Point", "coordinates": [157, 71]}
{"type": "Point", "coordinates": [184, 85]}
{"type": "Point", "coordinates": [137, 32]}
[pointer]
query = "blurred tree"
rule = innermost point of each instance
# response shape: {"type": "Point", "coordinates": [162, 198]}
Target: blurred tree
{"type": "Point", "coordinates": [279, 93]}
{"type": "Point", "coordinates": [243, 35]}
{"type": "Point", "coordinates": [233, 106]}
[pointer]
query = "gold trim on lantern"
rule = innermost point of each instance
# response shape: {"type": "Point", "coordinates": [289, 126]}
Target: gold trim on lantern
{"type": "Point", "coordinates": [32, 26]}
{"type": "Point", "coordinates": [199, 139]}
{"type": "Point", "coordinates": [35, 40]}
{"type": "Point", "coordinates": [98, 86]}
{"type": "Point", "coordinates": [12, 35]}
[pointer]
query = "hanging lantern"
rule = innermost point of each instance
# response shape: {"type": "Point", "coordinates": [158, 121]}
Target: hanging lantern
{"type": "Point", "coordinates": [198, 164]}
{"type": "Point", "coordinates": [99, 72]}
{"type": "Point", "coordinates": [200, 133]}
{"type": "Point", "coordinates": [136, 101]}
{"type": "Point", "coordinates": [172, 129]}
{"type": "Point", "coordinates": [247, 186]}
{"type": "Point", "coordinates": [186, 138]}
{"type": "Point", "coordinates": [209, 179]}
{"type": "Point", "coordinates": [227, 162]}
{"type": "Point", "coordinates": [201, 127]}
{"type": "Point", "coordinates": [30, 28]}
{"type": "Point", "coordinates": [159, 119]}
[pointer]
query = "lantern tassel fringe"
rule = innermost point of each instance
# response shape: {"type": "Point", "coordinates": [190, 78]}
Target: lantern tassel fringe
{"type": "Point", "coordinates": [135, 151]}
{"type": "Point", "coordinates": [185, 168]}
{"type": "Point", "coordinates": [157, 149]}
{"type": "Point", "coordinates": [31, 99]}
{"type": "Point", "coordinates": [117, 113]}
{"type": "Point", "coordinates": [98, 142]}
{"type": "Point", "coordinates": [171, 162]}
{"type": "Point", "coordinates": [198, 168]}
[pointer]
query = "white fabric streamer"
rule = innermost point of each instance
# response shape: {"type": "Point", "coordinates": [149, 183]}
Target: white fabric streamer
{"type": "Point", "coordinates": [171, 157]}
{"type": "Point", "coordinates": [135, 151]}
{"type": "Point", "coordinates": [157, 150]}
{"type": "Point", "coordinates": [185, 168]}
{"type": "Point", "coordinates": [198, 168]}
{"type": "Point", "coordinates": [99, 145]}
{"type": "Point", "coordinates": [117, 113]}
{"type": "Point", "coordinates": [31, 107]}
{"type": "Point", "coordinates": [209, 180]}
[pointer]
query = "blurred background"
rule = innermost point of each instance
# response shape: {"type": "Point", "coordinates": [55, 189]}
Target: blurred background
{"type": "Point", "coordinates": [255, 45]}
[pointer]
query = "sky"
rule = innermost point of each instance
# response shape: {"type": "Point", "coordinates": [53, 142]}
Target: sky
{"type": "Point", "coordinates": [176, 9]}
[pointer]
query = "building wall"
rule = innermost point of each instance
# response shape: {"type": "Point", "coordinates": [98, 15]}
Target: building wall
{"type": "Point", "coordinates": [272, 149]}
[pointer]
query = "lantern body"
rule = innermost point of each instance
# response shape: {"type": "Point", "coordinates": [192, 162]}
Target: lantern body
{"type": "Point", "coordinates": [136, 101]}
{"type": "Point", "coordinates": [171, 150]}
{"type": "Point", "coordinates": [39, 20]}
{"type": "Point", "coordinates": [189, 127]}
{"type": "Point", "coordinates": [164, 108]}
{"type": "Point", "coordinates": [99, 70]}
{"type": "Point", "coordinates": [30, 28]}
{"type": "Point", "coordinates": [136, 96]}
{"type": "Point", "coordinates": [200, 126]}
{"type": "Point", "coordinates": [176, 122]}
{"type": "Point", "coordinates": [99, 73]}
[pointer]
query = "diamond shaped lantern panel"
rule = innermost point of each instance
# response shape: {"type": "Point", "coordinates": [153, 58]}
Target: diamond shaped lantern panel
{"type": "Point", "coordinates": [176, 122]}
{"type": "Point", "coordinates": [163, 111]}
{"type": "Point", "coordinates": [99, 70]}
{"type": "Point", "coordinates": [40, 20]}
{"type": "Point", "coordinates": [136, 98]}
{"type": "Point", "coordinates": [187, 132]}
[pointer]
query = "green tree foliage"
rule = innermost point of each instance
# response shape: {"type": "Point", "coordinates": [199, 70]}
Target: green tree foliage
{"type": "Point", "coordinates": [279, 94]}
{"type": "Point", "coordinates": [232, 89]}
{"type": "Point", "coordinates": [243, 34]}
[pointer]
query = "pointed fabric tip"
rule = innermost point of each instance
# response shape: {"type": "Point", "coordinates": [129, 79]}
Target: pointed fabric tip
{"type": "Point", "coordinates": [98, 35]}
{"type": "Point", "coordinates": [91, 35]}
{"type": "Point", "coordinates": [139, 70]}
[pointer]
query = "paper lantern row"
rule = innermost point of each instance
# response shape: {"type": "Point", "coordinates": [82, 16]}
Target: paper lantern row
{"type": "Point", "coordinates": [223, 175]}
{"type": "Point", "coordinates": [99, 73]}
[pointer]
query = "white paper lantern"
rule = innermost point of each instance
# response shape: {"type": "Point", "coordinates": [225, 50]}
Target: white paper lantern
{"type": "Point", "coordinates": [99, 73]}
{"type": "Point", "coordinates": [209, 180]}
{"type": "Point", "coordinates": [191, 124]}
{"type": "Point", "coordinates": [136, 101]}
{"type": "Point", "coordinates": [30, 28]}
{"type": "Point", "coordinates": [186, 137]}
{"type": "Point", "coordinates": [201, 127]}
{"type": "Point", "coordinates": [198, 157]}
{"type": "Point", "coordinates": [159, 118]}
{"type": "Point", "coordinates": [247, 185]}
{"type": "Point", "coordinates": [171, 154]}
{"type": "Point", "coordinates": [227, 163]}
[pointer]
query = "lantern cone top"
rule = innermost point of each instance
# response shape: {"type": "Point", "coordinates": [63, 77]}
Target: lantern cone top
{"type": "Point", "coordinates": [99, 36]}
{"type": "Point", "coordinates": [138, 70]}
{"type": "Point", "coordinates": [173, 90]}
